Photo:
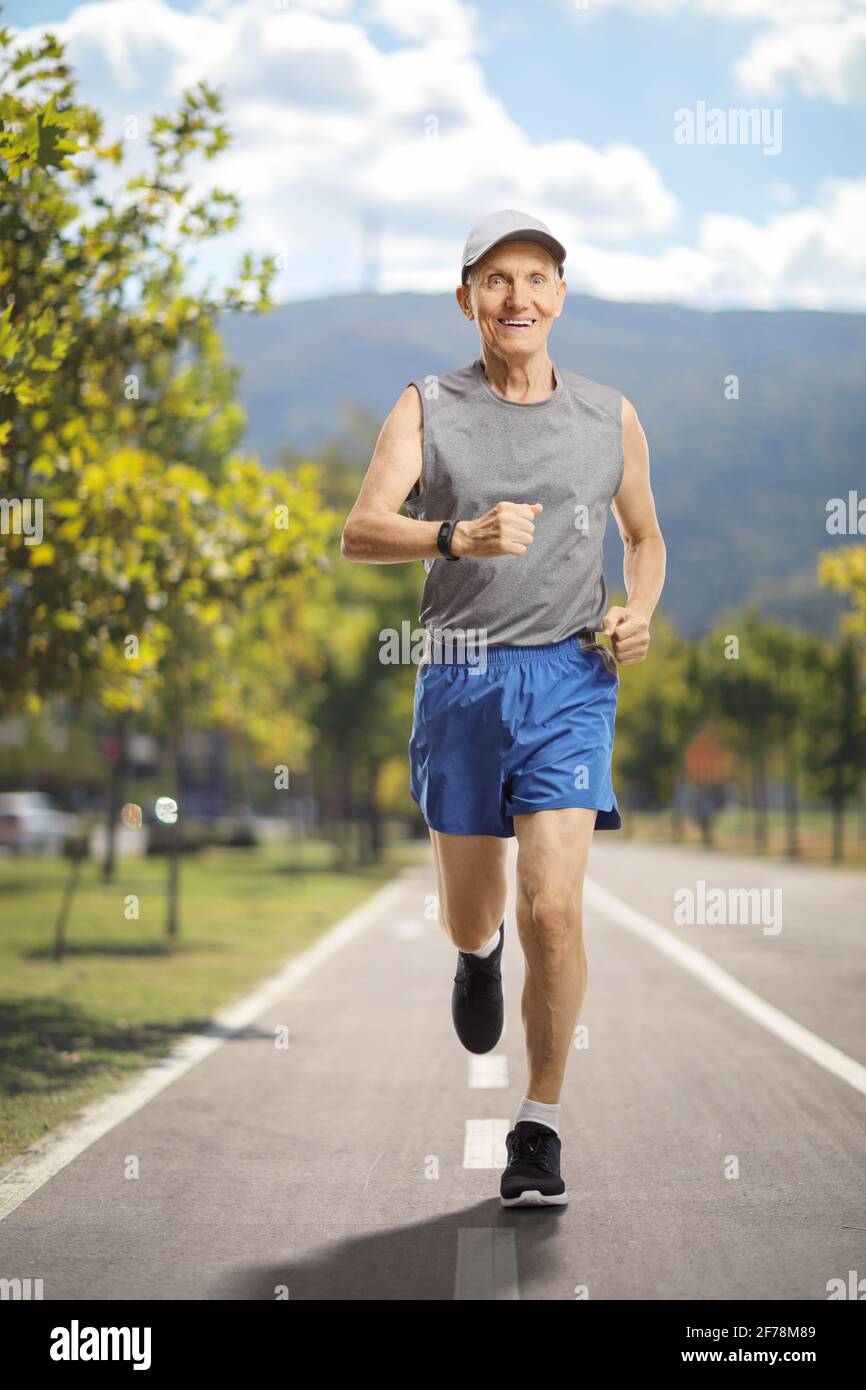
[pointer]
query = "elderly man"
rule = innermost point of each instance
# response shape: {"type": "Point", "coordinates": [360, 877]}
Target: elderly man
{"type": "Point", "coordinates": [507, 469]}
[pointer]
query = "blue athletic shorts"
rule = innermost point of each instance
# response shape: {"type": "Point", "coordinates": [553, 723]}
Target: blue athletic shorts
{"type": "Point", "coordinates": [531, 732]}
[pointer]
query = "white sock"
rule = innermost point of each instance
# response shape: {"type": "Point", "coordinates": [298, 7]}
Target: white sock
{"type": "Point", "coordinates": [488, 948]}
{"type": "Point", "coordinates": [541, 1114]}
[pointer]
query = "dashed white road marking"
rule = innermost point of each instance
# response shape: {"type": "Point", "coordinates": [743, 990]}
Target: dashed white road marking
{"type": "Point", "coordinates": [488, 1072]}
{"type": "Point", "coordinates": [717, 979]}
{"type": "Point", "coordinates": [486, 1264]}
{"type": "Point", "coordinates": [409, 930]}
{"type": "Point", "coordinates": [484, 1144]}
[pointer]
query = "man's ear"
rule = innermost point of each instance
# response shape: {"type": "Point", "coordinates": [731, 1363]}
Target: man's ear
{"type": "Point", "coordinates": [563, 291]}
{"type": "Point", "coordinates": [463, 299]}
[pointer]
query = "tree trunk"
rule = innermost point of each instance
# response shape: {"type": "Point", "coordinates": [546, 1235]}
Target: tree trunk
{"type": "Point", "coordinates": [759, 801]}
{"type": "Point", "coordinates": [345, 809]}
{"type": "Point", "coordinates": [66, 903]}
{"type": "Point", "coordinates": [328, 803]}
{"type": "Point", "coordinates": [172, 918]}
{"type": "Point", "coordinates": [837, 852]}
{"type": "Point", "coordinates": [116, 791]}
{"type": "Point", "coordinates": [375, 826]}
{"type": "Point", "coordinates": [792, 808]}
{"type": "Point", "coordinates": [705, 820]}
{"type": "Point", "coordinates": [308, 786]}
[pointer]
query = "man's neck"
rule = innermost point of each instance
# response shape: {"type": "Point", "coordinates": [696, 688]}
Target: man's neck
{"type": "Point", "coordinates": [525, 382]}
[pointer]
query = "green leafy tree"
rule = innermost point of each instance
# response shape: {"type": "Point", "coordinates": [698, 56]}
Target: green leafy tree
{"type": "Point", "coordinates": [165, 558]}
{"type": "Point", "coordinates": [743, 696]}
{"type": "Point", "coordinates": [788, 656]}
{"type": "Point", "coordinates": [658, 707]}
{"type": "Point", "coordinates": [364, 615]}
{"type": "Point", "coordinates": [835, 730]}
{"type": "Point", "coordinates": [845, 571]}
{"type": "Point", "coordinates": [105, 349]}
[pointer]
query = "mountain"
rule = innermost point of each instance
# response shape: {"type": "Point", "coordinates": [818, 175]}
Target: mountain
{"type": "Point", "coordinates": [741, 485]}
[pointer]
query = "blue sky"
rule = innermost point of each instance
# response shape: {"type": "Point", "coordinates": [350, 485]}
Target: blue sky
{"type": "Point", "coordinates": [562, 110]}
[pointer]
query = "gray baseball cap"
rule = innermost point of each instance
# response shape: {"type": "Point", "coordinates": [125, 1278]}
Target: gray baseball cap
{"type": "Point", "coordinates": [508, 225]}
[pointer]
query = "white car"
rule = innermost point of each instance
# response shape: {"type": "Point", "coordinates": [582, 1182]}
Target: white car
{"type": "Point", "coordinates": [34, 823]}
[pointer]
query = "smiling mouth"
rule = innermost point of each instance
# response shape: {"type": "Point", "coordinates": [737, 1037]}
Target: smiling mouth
{"type": "Point", "coordinates": [516, 323]}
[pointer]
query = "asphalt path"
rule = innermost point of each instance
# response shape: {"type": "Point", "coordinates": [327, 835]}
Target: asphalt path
{"type": "Point", "coordinates": [342, 1145]}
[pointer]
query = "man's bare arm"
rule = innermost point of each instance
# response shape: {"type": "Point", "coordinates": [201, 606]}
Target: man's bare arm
{"type": "Point", "coordinates": [374, 530]}
{"type": "Point", "coordinates": [644, 549]}
{"type": "Point", "coordinates": [376, 533]}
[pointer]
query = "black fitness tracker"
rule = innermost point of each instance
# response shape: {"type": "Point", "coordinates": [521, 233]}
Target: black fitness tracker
{"type": "Point", "coordinates": [443, 540]}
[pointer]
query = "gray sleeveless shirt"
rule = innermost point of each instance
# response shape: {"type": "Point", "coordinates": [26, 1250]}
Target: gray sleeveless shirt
{"type": "Point", "coordinates": [479, 449]}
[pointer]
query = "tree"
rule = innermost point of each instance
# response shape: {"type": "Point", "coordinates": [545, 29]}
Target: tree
{"type": "Point", "coordinates": [744, 698]}
{"type": "Point", "coordinates": [118, 419]}
{"type": "Point", "coordinates": [105, 349]}
{"type": "Point", "coordinates": [658, 707]}
{"type": "Point", "coordinates": [789, 658]}
{"type": "Point", "coordinates": [835, 731]}
{"type": "Point", "coordinates": [364, 711]}
{"type": "Point", "coordinates": [845, 570]}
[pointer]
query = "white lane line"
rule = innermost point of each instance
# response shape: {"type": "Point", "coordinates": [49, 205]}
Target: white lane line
{"type": "Point", "coordinates": [488, 1072]}
{"type": "Point", "coordinates": [717, 979]}
{"type": "Point", "coordinates": [486, 1264]}
{"type": "Point", "coordinates": [408, 930]}
{"type": "Point", "coordinates": [27, 1173]}
{"type": "Point", "coordinates": [484, 1144]}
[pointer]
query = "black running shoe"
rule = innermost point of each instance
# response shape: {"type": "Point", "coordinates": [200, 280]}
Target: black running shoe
{"type": "Point", "coordinates": [531, 1177]}
{"type": "Point", "coordinates": [476, 999]}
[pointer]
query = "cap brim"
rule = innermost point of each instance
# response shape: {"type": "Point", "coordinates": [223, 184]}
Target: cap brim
{"type": "Point", "coordinates": [556, 249]}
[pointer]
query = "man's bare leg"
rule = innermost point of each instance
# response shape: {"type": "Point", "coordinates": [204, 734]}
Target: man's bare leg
{"type": "Point", "coordinates": [553, 848]}
{"type": "Point", "coordinates": [470, 876]}
{"type": "Point", "coordinates": [470, 870]}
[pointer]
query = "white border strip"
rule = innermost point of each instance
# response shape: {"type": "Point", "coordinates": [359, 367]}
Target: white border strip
{"type": "Point", "coordinates": [25, 1174]}
{"type": "Point", "coordinates": [727, 987]}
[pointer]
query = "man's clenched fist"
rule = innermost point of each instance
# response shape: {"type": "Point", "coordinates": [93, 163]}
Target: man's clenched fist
{"type": "Point", "coordinates": [629, 634]}
{"type": "Point", "coordinates": [507, 529]}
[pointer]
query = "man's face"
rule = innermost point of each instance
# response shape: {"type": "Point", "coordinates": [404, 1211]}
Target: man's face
{"type": "Point", "coordinates": [514, 296]}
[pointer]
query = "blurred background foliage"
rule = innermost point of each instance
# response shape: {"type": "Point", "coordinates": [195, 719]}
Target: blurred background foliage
{"type": "Point", "coordinates": [181, 587]}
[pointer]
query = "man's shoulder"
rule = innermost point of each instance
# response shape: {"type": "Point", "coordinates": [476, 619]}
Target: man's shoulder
{"type": "Point", "coordinates": [606, 398]}
{"type": "Point", "coordinates": [439, 389]}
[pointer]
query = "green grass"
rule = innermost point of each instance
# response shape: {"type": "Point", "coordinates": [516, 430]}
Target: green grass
{"type": "Point", "coordinates": [733, 833]}
{"type": "Point", "coordinates": [125, 993]}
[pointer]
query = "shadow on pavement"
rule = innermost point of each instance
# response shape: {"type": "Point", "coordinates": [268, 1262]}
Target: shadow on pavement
{"type": "Point", "coordinates": [413, 1263]}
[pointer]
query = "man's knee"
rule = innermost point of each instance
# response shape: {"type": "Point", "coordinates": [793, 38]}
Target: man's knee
{"type": "Point", "coordinates": [556, 919]}
{"type": "Point", "coordinates": [469, 930]}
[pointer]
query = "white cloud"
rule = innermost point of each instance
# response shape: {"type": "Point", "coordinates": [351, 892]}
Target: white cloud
{"type": "Point", "coordinates": [427, 21]}
{"type": "Point", "coordinates": [781, 12]}
{"type": "Point", "coordinates": [812, 257]}
{"type": "Point", "coordinates": [327, 126]}
{"type": "Point", "coordinates": [330, 137]}
{"type": "Point", "coordinates": [817, 47]}
{"type": "Point", "coordinates": [816, 58]}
